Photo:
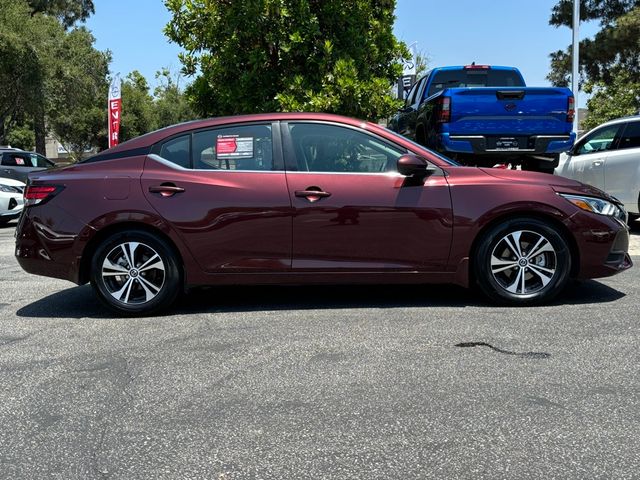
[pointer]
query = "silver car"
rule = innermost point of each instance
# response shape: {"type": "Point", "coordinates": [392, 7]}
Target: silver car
{"type": "Point", "coordinates": [17, 164]}
{"type": "Point", "coordinates": [608, 157]}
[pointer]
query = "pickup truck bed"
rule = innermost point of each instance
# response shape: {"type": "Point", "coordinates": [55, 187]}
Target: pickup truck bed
{"type": "Point", "coordinates": [485, 125]}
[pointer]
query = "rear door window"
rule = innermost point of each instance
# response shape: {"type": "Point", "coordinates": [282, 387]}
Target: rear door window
{"type": "Point", "coordinates": [631, 136]}
{"type": "Point", "coordinates": [242, 147]}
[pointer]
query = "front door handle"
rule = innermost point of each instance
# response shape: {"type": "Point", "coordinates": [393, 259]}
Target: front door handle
{"type": "Point", "coordinates": [166, 189]}
{"type": "Point", "coordinates": [313, 194]}
{"type": "Point", "coordinates": [597, 163]}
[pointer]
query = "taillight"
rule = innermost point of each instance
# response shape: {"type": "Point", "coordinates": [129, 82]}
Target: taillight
{"type": "Point", "coordinates": [443, 114]}
{"type": "Point", "coordinates": [571, 109]}
{"type": "Point", "coordinates": [473, 66]}
{"type": "Point", "coordinates": [36, 194]}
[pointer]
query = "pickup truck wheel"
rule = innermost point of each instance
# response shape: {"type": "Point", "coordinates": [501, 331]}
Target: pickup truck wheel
{"type": "Point", "coordinates": [522, 262]}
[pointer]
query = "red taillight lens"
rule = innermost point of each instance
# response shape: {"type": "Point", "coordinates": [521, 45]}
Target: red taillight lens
{"type": "Point", "coordinates": [571, 109]}
{"type": "Point", "coordinates": [443, 115]}
{"type": "Point", "coordinates": [35, 194]}
{"type": "Point", "coordinates": [477, 67]}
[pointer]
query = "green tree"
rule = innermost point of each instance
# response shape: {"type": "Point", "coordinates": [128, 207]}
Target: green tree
{"type": "Point", "coordinates": [67, 11]}
{"type": "Point", "coordinates": [138, 116]}
{"type": "Point", "coordinates": [620, 98]}
{"type": "Point", "coordinates": [614, 48]}
{"type": "Point", "coordinates": [49, 75]}
{"type": "Point", "coordinates": [170, 103]}
{"type": "Point", "coordinates": [269, 55]}
{"type": "Point", "coordinates": [76, 92]}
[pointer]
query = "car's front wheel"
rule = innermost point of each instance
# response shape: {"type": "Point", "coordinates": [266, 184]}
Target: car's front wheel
{"type": "Point", "coordinates": [135, 273]}
{"type": "Point", "coordinates": [522, 262]}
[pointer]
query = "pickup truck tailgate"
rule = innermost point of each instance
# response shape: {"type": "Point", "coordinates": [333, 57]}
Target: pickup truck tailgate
{"type": "Point", "coordinates": [508, 110]}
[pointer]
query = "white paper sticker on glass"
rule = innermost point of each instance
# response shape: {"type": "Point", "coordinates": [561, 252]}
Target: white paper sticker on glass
{"type": "Point", "coordinates": [233, 146]}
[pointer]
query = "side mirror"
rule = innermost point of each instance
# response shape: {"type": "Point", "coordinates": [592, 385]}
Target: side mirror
{"type": "Point", "coordinates": [413, 166]}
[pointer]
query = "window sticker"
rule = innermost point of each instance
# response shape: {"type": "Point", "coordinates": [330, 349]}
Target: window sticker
{"type": "Point", "coordinates": [233, 146]}
{"type": "Point", "coordinates": [19, 160]}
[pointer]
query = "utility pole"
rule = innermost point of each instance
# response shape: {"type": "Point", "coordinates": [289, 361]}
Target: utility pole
{"type": "Point", "coordinates": [575, 53]}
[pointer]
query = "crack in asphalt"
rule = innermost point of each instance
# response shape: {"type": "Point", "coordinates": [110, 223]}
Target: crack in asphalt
{"type": "Point", "coordinates": [9, 340]}
{"type": "Point", "coordinates": [506, 352]}
{"type": "Point", "coordinates": [125, 371]}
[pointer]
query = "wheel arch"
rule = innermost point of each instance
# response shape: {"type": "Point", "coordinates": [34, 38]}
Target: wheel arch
{"type": "Point", "coordinates": [103, 233]}
{"type": "Point", "coordinates": [519, 215]}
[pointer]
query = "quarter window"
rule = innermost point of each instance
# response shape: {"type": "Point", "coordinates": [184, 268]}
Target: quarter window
{"type": "Point", "coordinates": [631, 136]}
{"type": "Point", "coordinates": [246, 147]}
{"type": "Point", "coordinates": [600, 141]}
{"type": "Point", "coordinates": [328, 148]}
{"type": "Point", "coordinates": [177, 151]}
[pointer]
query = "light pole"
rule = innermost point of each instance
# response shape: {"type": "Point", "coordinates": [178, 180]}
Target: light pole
{"type": "Point", "coordinates": [575, 53]}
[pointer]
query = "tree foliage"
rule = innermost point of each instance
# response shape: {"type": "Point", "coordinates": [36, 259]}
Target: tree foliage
{"type": "Point", "coordinates": [67, 11]}
{"type": "Point", "coordinates": [270, 55]}
{"type": "Point", "coordinates": [620, 98]}
{"type": "Point", "coordinates": [50, 76]}
{"type": "Point", "coordinates": [615, 47]}
{"type": "Point", "coordinates": [143, 112]}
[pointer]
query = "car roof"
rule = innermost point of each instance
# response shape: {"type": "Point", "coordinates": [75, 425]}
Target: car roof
{"type": "Point", "coordinates": [151, 138]}
{"type": "Point", "coordinates": [632, 118]}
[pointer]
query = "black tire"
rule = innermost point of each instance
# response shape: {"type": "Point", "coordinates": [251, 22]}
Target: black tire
{"type": "Point", "coordinates": [497, 280]}
{"type": "Point", "coordinates": [146, 291]}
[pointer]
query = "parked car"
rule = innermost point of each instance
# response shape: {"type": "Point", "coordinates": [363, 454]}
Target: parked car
{"type": "Point", "coordinates": [17, 164]}
{"type": "Point", "coordinates": [483, 115]}
{"type": "Point", "coordinates": [308, 198]}
{"type": "Point", "coordinates": [11, 201]}
{"type": "Point", "coordinates": [608, 157]}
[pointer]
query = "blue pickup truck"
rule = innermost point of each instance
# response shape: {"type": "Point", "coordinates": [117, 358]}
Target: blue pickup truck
{"type": "Point", "coordinates": [484, 115]}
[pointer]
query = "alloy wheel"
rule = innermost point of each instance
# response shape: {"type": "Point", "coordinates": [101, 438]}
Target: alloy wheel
{"type": "Point", "coordinates": [523, 262]}
{"type": "Point", "coordinates": [133, 273]}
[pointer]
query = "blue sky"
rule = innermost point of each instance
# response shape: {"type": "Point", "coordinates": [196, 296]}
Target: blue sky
{"type": "Point", "coordinates": [498, 32]}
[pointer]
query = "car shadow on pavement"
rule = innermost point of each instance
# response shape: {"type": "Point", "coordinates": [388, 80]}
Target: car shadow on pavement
{"type": "Point", "coordinates": [81, 302]}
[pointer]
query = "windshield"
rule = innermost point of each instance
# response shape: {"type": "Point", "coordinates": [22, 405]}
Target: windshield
{"type": "Point", "coordinates": [420, 147]}
{"type": "Point", "coordinates": [474, 78]}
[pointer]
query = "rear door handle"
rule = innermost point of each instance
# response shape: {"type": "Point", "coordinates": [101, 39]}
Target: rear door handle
{"type": "Point", "coordinates": [166, 190]}
{"type": "Point", "coordinates": [313, 194]}
{"type": "Point", "coordinates": [597, 163]}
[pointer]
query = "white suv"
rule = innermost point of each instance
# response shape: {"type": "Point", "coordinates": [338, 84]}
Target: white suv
{"type": "Point", "coordinates": [608, 157]}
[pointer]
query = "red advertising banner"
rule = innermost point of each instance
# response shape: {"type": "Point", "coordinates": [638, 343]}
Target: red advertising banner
{"type": "Point", "coordinates": [115, 111]}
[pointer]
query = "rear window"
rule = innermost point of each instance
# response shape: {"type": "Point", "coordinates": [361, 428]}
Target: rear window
{"type": "Point", "coordinates": [474, 78]}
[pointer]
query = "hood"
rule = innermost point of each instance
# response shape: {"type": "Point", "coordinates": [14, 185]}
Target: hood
{"type": "Point", "coordinates": [11, 182]}
{"type": "Point", "coordinates": [558, 183]}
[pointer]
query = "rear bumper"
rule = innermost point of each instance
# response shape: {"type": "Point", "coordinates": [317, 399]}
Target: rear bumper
{"type": "Point", "coordinates": [41, 250]}
{"type": "Point", "coordinates": [486, 144]}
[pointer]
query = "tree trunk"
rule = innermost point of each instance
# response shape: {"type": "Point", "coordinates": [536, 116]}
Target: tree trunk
{"type": "Point", "coordinates": [40, 130]}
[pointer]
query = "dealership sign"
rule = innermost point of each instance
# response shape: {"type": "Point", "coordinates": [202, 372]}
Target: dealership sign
{"type": "Point", "coordinates": [115, 111]}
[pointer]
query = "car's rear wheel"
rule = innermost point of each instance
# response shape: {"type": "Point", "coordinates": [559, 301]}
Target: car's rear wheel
{"type": "Point", "coordinates": [135, 273]}
{"type": "Point", "coordinates": [522, 262]}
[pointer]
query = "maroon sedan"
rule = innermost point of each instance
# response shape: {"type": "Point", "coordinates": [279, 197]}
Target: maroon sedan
{"type": "Point", "coordinates": [308, 198]}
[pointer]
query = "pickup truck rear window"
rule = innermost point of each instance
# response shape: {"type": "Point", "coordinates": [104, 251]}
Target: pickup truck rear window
{"type": "Point", "coordinates": [474, 78]}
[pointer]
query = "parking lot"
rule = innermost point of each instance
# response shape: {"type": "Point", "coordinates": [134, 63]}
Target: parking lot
{"type": "Point", "coordinates": [319, 382]}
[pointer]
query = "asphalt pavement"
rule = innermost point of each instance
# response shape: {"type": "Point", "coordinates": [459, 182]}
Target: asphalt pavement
{"type": "Point", "coordinates": [380, 382]}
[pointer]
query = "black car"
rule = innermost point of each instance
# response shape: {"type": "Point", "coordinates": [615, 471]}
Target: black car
{"type": "Point", "coordinates": [17, 164]}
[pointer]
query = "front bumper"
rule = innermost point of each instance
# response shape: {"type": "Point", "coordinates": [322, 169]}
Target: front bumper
{"type": "Point", "coordinates": [603, 243]}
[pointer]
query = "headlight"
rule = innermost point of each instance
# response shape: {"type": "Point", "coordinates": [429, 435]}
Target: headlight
{"type": "Point", "coordinates": [596, 205]}
{"type": "Point", "coordinates": [9, 189]}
